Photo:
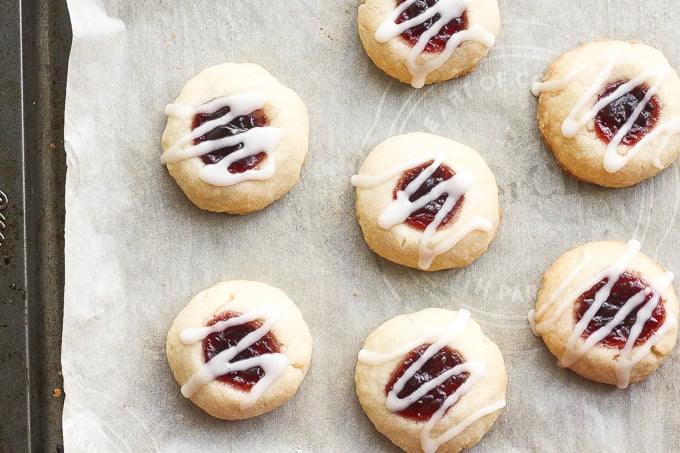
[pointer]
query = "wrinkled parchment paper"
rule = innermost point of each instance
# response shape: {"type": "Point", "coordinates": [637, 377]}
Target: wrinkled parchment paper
{"type": "Point", "coordinates": [137, 250]}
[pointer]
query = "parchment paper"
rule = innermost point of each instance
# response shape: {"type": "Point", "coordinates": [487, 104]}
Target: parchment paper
{"type": "Point", "coordinates": [137, 250]}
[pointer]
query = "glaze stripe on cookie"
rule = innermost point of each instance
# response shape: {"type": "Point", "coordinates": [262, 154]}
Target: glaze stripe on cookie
{"type": "Point", "coordinates": [580, 115]}
{"type": "Point", "coordinates": [273, 364]}
{"type": "Point", "coordinates": [575, 346]}
{"type": "Point", "coordinates": [475, 370]}
{"type": "Point", "coordinates": [253, 141]}
{"type": "Point", "coordinates": [401, 208]}
{"type": "Point", "coordinates": [627, 359]}
{"type": "Point", "coordinates": [447, 10]}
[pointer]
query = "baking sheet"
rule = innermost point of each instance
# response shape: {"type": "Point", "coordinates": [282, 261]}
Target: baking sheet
{"type": "Point", "coordinates": [137, 250]}
{"type": "Point", "coordinates": [34, 47]}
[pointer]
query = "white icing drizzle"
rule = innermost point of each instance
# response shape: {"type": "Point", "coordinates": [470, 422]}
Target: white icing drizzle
{"type": "Point", "coordinates": [576, 347]}
{"type": "Point", "coordinates": [546, 325]}
{"type": "Point", "coordinates": [614, 158]}
{"type": "Point", "coordinates": [475, 372]}
{"type": "Point", "coordinates": [273, 364]}
{"type": "Point", "coordinates": [401, 208]}
{"type": "Point", "coordinates": [254, 140]}
{"type": "Point", "coordinates": [448, 10]}
{"type": "Point", "coordinates": [628, 359]}
{"type": "Point", "coordinates": [431, 445]}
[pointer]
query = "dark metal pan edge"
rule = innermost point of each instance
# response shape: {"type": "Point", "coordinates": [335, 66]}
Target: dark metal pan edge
{"type": "Point", "coordinates": [32, 175]}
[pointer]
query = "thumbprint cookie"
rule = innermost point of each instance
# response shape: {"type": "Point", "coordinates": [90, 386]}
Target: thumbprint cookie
{"type": "Point", "coordinates": [610, 112]}
{"type": "Point", "coordinates": [239, 349]}
{"type": "Point", "coordinates": [608, 312]}
{"type": "Point", "coordinates": [426, 202]}
{"type": "Point", "coordinates": [428, 41]}
{"type": "Point", "coordinates": [236, 138]}
{"type": "Point", "coordinates": [431, 381]}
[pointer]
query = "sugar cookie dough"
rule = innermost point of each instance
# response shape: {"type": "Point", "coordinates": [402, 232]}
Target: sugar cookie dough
{"type": "Point", "coordinates": [236, 138]}
{"type": "Point", "coordinates": [610, 112]}
{"type": "Point", "coordinates": [239, 349]}
{"type": "Point", "coordinates": [426, 202]}
{"type": "Point", "coordinates": [431, 381]}
{"type": "Point", "coordinates": [608, 312]}
{"type": "Point", "coordinates": [422, 42]}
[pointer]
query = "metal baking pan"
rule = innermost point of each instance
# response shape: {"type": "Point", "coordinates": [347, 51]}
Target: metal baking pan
{"type": "Point", "coordinates": [35, 39]}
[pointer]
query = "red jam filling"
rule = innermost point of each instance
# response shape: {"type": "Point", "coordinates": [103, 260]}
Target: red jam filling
{"type": "Point", "coordinates": [438, 42]}
{"type": "Point", "coordinates": [613, 116]}
{"type": "Point", "coordinates": [625, 287]}
{"type": "Point", "coordinates": [444, 360]}
{"type": "Point", "coordinates": [421, 218]}
{"type": "Point", "coordinates": [237, 126]}
{"type": "Point", "coordinates": [217, 342]}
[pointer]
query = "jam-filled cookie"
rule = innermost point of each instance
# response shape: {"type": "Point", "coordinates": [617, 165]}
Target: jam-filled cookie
{"type": "Point", "coordinates": [426, 202]}
{"type": "Point", "coordinates": [431, 381]}
{"type": "Point", "coordinates": [608, 312]}
{"type": "Point", "coordinates": [427, 41]}
{"type": "Point", "coordinates": [239, 349]}
{"type": "Point", "coordinates": [610, 112]}
{"type": "Point", "coordinates": [236, 138]}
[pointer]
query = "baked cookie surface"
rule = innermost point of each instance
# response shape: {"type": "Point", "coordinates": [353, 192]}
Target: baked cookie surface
{"type": "Point", "coordinates": [423, 42]}
{"type": "Point", "coordinates": [431, 381]}
{"type": "Point", "coordinates": [426, 202]}
{"type": "Point", "coordinates": [608, 312]}
{"type": "Point", "coordinates": [239, 349]}
{"type": "Point", "coordinates": [610, 112]}
{"type": "Point", "coordinates": [236, 138]}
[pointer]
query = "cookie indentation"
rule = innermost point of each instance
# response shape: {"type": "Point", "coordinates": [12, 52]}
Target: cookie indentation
{"type": "Point", "coordinates": [236, 126]}
{"type": "Point", "coordinates": [230, 337]}
{"type": "Point", "coordinates": [442, 361]}
{"type": "Point", "coordinates": [422, 217]}
{"type": "Point", "coordinates": [615, 116]}
{"type": "Point", "coordinates": [623, 292]}
{"type": "Point", "coordinates": [438, 42]}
